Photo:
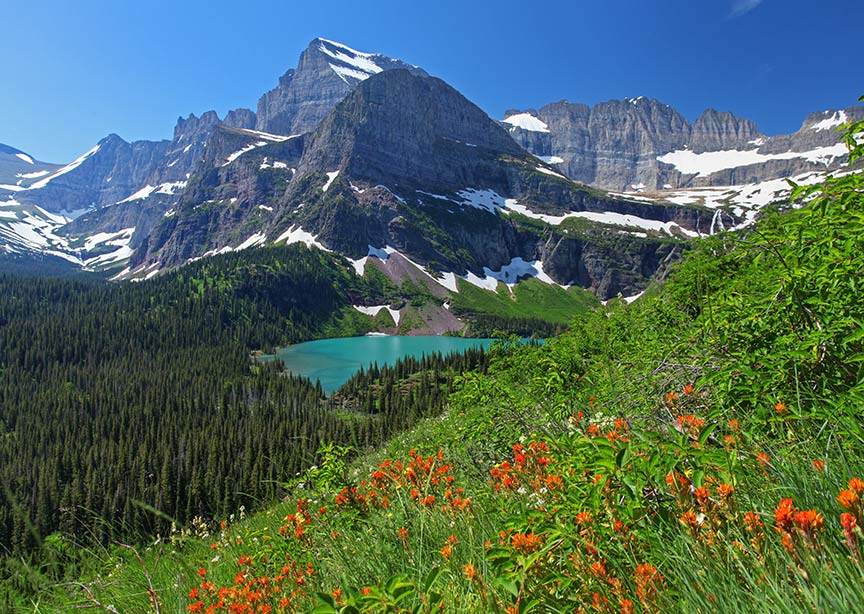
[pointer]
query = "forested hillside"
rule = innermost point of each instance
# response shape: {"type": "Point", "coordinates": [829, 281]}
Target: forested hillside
{"type": "Point", "coordinates": [129, 407]}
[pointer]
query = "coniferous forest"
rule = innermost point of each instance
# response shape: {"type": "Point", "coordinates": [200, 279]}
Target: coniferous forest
{"type": "Point", "coordinates": [125, 408]}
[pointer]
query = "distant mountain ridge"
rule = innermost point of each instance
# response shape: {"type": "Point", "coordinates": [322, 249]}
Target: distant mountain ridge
{"type": "Point", "coordinates": [643, 144]}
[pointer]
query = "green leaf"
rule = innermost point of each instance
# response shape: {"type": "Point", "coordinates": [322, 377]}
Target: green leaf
{"type": "Point", "coordinates": [327, 607]}
{"type": "Point", "coordinates": [507, 585]}
{"type": "Point", "coordinates": [432, 578]}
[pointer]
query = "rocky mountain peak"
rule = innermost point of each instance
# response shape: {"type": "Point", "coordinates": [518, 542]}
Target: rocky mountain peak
{"type": "Point", "coordinates": [722, 131]}
{"type": "Point", "coordinates": [187, 128]}
{"type": "Point", "coordinates": [326, 72]}
{"type": "Point", "coordinates": [398, 125]}
{"type": "Point", "coordinates": [240, 118]}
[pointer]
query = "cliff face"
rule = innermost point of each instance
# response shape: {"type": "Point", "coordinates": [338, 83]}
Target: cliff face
{"type": "Point", "coordinates": [642, 144]}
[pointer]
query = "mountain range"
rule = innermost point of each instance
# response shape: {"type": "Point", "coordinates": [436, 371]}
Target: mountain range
{"type": "Point", "coordinates": [372, 158]}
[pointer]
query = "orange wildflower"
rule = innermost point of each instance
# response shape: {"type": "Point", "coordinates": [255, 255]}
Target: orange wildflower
{"type": "Point", "coordinates": [647, 580]}
{"type": "Point", "coordinates": [469, 571]}
{"type": "Point", "coordinates": [583, 518]}
{"type": "Point", "coordinates": [809, 521]}
{"type": "Point", "coordinates": [784, 515]}
{"type": "Point", "coordinates": [726, 490]}
{"type": "Point", "coordinates": [691, 520]}
{"type": "Point", "coordinates": [856, 485]}
{"type": "Point", "coordinates": [819, 464]}
{"type": "Point", "coordinates": [447, 552]}
{"type": "Point", "coordinates": [780, 408]}
{"type": "Point", "coordinates": [526, 543]}
{"type": "Point", "coordinates": [848, 499]}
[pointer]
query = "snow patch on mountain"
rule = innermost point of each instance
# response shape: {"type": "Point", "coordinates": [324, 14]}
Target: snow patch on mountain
{"type": "Point", "coordinates": [66, 169]}
{"type": "Point", "coordinates": [487, 200]}
{"type": "Point", "coordinates": [836, 119]}
{"type": "Point", "coordinates": [256, 239]}
{"type": "Point", "coordinates": [552, 159]}
{"type": "Point", "coordinates": [709, 162]}
{"type": "Point", "coordinates": [509, 274]}
{"type": "Point", "coordinates": [331, 176]}
{"type": "Point", "coordinates": [296, 234]}
{"type": "Point", "coordinates": [119, 238]}
{"type": "Point", "coordinates": [267, 136]}
{"type": "Point", "coordinates": [169, 188]}
{"type": "Point", "coordinates": [240, 152]}
{"type": "Point", "coordinates": [33, 175]}
{"type": "Point", "coordinates": [349, 63]}
{"type": "Point", "coordinates": [29, 228]}
{"type": "Point", "coordinates": [526, 121]}
{"type": "Point", "coordinates": [374, 310]}
{"type": "Point", "coordinates": [547, 171]}
{"type": "Point", "coordinates": [25, 158]}
{"type": "Point", "coordinates": [606, 217]}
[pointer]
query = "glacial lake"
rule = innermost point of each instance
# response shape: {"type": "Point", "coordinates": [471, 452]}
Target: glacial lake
{"type": "Point", "coordinates": [334, 361]}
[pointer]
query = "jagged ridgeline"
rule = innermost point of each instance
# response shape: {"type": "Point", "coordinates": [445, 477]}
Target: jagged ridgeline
{"type": "Point", "coordinates": [127, 405]}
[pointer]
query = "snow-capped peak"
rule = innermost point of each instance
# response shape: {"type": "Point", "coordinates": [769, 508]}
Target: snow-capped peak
{"type": "Point", "coordinates": [348, 62]}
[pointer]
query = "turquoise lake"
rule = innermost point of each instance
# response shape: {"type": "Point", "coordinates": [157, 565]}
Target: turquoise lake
{"type": "Point", "coordinates": [334, 361]}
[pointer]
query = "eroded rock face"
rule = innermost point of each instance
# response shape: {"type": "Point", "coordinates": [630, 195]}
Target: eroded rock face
{"type": "Point", "coordinates": [325, 74]}
{"type": "Point", "coordinates": [637, 144]}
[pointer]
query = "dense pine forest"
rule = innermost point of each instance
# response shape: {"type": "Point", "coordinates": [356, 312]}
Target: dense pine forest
{"type": "Point", "coordinates": [126, 408]}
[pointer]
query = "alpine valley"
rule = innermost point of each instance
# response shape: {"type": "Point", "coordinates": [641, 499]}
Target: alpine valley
{"type": "Point", "coordinates": [659, 407]}
{"type": "Point", "coordinates": [374, 160]}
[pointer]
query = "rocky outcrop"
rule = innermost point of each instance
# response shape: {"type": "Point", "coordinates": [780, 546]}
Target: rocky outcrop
{"type": "Point", "coordinates": [720, 130]}
{"type": "Point", "coordinates": [326, 73]}
{"type": "Point", "coordinates": [241, 118]}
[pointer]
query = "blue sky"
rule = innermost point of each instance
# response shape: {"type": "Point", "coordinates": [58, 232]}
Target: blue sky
{"type": "Point", "coordinates": [74, 72]}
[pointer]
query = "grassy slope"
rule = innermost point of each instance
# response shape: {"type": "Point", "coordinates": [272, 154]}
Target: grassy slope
{"type": "Point", "coordinates": [529, 298]}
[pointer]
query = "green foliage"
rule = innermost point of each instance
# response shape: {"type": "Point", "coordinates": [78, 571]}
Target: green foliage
{"type": "Point", "coordinates": [529, 300]}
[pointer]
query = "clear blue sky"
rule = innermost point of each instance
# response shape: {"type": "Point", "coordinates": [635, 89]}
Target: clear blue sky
{"type": "Point", "coordinates": [75, 71]}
